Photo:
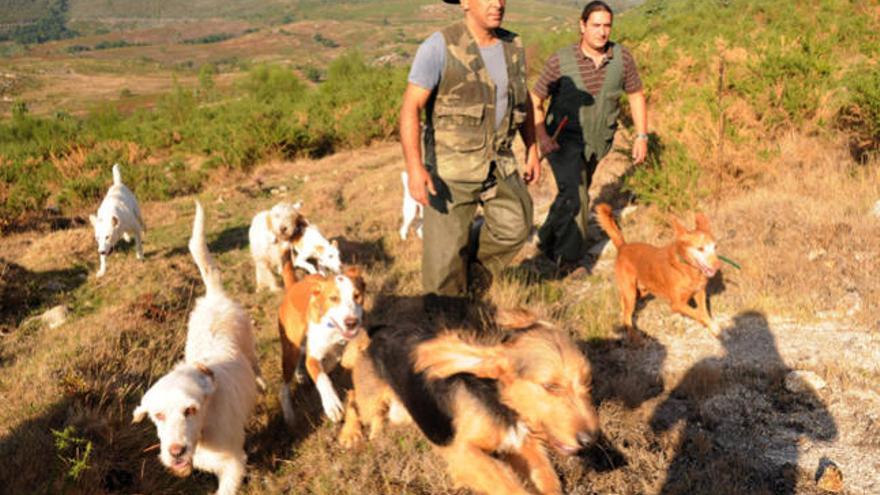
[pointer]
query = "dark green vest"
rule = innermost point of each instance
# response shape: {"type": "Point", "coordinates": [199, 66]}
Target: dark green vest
{"type": "Point", "coordinates": [460, 137]}
{"type": "Point", "coordinates": [592, 119]}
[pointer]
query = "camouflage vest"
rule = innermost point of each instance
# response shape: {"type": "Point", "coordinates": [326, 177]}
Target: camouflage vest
{"type": "Point", "coordinates": [460, 138]}
{"type": "Point", "coordinates": [592, 119]}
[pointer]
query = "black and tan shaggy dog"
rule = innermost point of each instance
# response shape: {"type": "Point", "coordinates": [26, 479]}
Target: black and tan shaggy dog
{"type": "Point", "coordinates": [491, 406]}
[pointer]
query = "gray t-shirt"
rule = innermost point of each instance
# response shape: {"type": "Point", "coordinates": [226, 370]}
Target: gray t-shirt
{"type": "Point", "coordinates": [430, 58]}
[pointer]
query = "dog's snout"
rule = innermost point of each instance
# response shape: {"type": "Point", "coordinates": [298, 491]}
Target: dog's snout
{"type": "Point", "coordinates": [177, 449]}
{"type": "Point", "coordinates": [586, 439]}
{"type": "Point", "coordinates": [284, 229]}
{"type": "Point", "coordinates": [351, 322]}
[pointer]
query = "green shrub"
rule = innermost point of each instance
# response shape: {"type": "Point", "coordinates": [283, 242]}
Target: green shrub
{"type": "Point", "coordinates": [862, 115]}
{"type": "Point", "coordinates": [274, 113]}
{"type": "Point", "coordinates": [211, 38]}
{"type": "Point", "coordinates": [668, 179]}
{"type": "Point", "coordinates": [73, 451]}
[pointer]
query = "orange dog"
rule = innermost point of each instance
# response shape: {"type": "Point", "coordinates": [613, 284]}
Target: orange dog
{"type": "Point", "coordinates": [324, 313]}
{"type": "Point", "coordinates": [675, 272]}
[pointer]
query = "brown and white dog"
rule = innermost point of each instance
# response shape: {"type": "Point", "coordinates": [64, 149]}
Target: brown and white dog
{"type": "Point", "coordinates": [675, 272]}
{"type": "Point", "coordinates": [324, 314]}
{"type": "Point", "coordinates": [491, 406]}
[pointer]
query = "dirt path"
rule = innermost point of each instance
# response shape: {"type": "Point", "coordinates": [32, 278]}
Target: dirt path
{"type": "Point", "coordinates": [742, 404]}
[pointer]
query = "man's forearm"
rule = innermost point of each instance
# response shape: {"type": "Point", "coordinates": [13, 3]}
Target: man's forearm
{"type": "Point", "coordinates": [410, 139]}
{"type": "Point", "coordinates": [538, 114]}
{"type": "Point", "coordinates": [639, 112]}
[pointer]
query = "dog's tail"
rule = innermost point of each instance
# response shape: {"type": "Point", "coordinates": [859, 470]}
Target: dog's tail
{"type": "Point", "coordinates": [199, 250]}
{"type": "Point", "coordinates": [287, 271]}
{"type": "Point", "coordinates": [606, 221]}
{"type": "Point", "coordinates": [117, 175]}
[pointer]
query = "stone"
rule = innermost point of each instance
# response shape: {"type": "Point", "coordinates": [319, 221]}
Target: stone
{"type": "Point", "coordinates": [829, 477]}
{"type": "Point", "coordinates": [800, 381]}
{"type": "Point", "coordinates": [55, 317]}
{"type": "Point", "coordinates": [816, 254]}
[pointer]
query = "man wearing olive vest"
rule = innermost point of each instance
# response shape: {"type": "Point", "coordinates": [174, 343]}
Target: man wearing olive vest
{"type": "Point", "coordinates": [584, 83]}
{"type": "Point", "coordinates": [470, 80]}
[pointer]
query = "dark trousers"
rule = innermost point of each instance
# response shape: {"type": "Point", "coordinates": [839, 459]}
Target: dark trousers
{"type": "Point", "coordinates": [563, 235]}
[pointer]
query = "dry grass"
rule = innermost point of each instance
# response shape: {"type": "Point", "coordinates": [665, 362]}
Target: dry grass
{"type": "Point", "coordinates": [664, 415]}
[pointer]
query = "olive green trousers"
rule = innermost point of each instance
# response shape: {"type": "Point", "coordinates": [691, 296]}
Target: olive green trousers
{"type": "Point", "coordinates": [446, 255]}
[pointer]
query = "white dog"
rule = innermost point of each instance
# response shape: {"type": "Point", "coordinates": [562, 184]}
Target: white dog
{"type": "Point", "coordinates": [273, 232]}
{"type": "Point", "coordinates": [313, 245]}
{"type": "Point", "coordinates": [201, 407]}
{"type": "Point", "coordinates": [118, 216]}
{"type": "Point", "coordinates": [412, 210]}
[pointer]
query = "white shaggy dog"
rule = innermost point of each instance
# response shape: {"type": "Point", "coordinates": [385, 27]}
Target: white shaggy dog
{"type": "Point", "coordinates": [412, 210]}
{"type": "Point", "coordinates": [200, 408]}
{"type": "Point", "coordinates": [273, 232]}
{"type": "Point", "coordinates": [313, 245]}
{"type": "Point", "coordinates": [118, 217]}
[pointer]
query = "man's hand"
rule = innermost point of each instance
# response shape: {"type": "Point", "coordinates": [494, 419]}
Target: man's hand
{"type": "Point", "coordinates": [532, 172]}
{"type": "Point", "coordinates": [640, 150]}
{"type": "Point", "coordinates": [546, 144]}
{"type": "Point", "coordinates": [420, 184]}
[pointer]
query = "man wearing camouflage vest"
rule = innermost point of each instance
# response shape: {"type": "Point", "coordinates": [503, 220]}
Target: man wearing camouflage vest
{"type": "Point", "coordinates": [584, 83]}
{"type": "Point", "coordinates": [469, 78]}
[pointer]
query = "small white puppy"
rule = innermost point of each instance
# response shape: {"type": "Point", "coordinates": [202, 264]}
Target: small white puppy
{"type": "Point", "coordinates": [313, 245]}
{"type": "Point", "coordinates": [118, 217]}
{"type": "Point", "coordinates": [412, 210]}
{"type": "Point", "coordinates": [273, 232]}
{"type": "Point", "coordinates": [201, 407]}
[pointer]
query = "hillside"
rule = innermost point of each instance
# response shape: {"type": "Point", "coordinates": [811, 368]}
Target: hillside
{"type": "Point", "coordinates": [107, 13]}
{"type": "Point", "coordinates": [769, 122]}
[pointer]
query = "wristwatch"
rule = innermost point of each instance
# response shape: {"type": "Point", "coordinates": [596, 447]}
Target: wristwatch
{"type": "Point", "coordinates": [642, 135]}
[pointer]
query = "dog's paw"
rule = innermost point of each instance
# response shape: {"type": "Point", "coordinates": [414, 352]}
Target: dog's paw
{"type": "Point", "coordinates": [350, 435]}
{"type": "Point", "coordinates": [333, 408]}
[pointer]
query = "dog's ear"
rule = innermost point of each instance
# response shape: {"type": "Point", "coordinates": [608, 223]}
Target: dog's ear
{"type": "Point", "coordinates": [140, 412]}
{"type": "Point", "coordinates": [703, 223]}
{"type": "Point", "coordinates": [299, 226]}
{"type": "Point", "coordinates": [115, 221]}
{"type": "Point", "coordinates": [206, 379]}
{"type": "Point", "coordinates": [677, 226]}
{"type": "Point", "coordinates": [515, 318]}
{"type": "Point", "coordinates": [448, 355]}
{"type": "Point", "coordinates": [94, 220]}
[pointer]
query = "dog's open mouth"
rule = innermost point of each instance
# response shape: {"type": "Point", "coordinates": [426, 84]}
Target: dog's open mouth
{"type": "Point", "coordinates": [708, 271]}
{"type": "Point", "coordinates": [347, 332]}
{"type": "Point", "coordinates": [181, 467]}
{"type": "Point", "coordinates": [565, 449]}
{"type": "Point", "coordinates": [350, 333]}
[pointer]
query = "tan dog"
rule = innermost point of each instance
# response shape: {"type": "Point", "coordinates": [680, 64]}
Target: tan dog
{"type": "Point", "coordinates": [489, 407]}
{"type": "Point", "coordinates": [324, 314]}
{"type": "Point", "coordinates": [675, 272]}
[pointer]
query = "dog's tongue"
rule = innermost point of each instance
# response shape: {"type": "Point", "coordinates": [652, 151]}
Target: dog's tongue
{"type": "Point", "coordinates": [708, 271]}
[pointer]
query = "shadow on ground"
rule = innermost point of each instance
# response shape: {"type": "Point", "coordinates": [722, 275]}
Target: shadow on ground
{"type": "Point", "coordinates": [741, 426]}
{"type": "Point", "coordinates": [23, 292]}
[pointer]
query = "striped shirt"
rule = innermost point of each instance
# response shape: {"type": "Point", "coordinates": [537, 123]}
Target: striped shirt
{"type": "Point", "coordinates": [593, 76]}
